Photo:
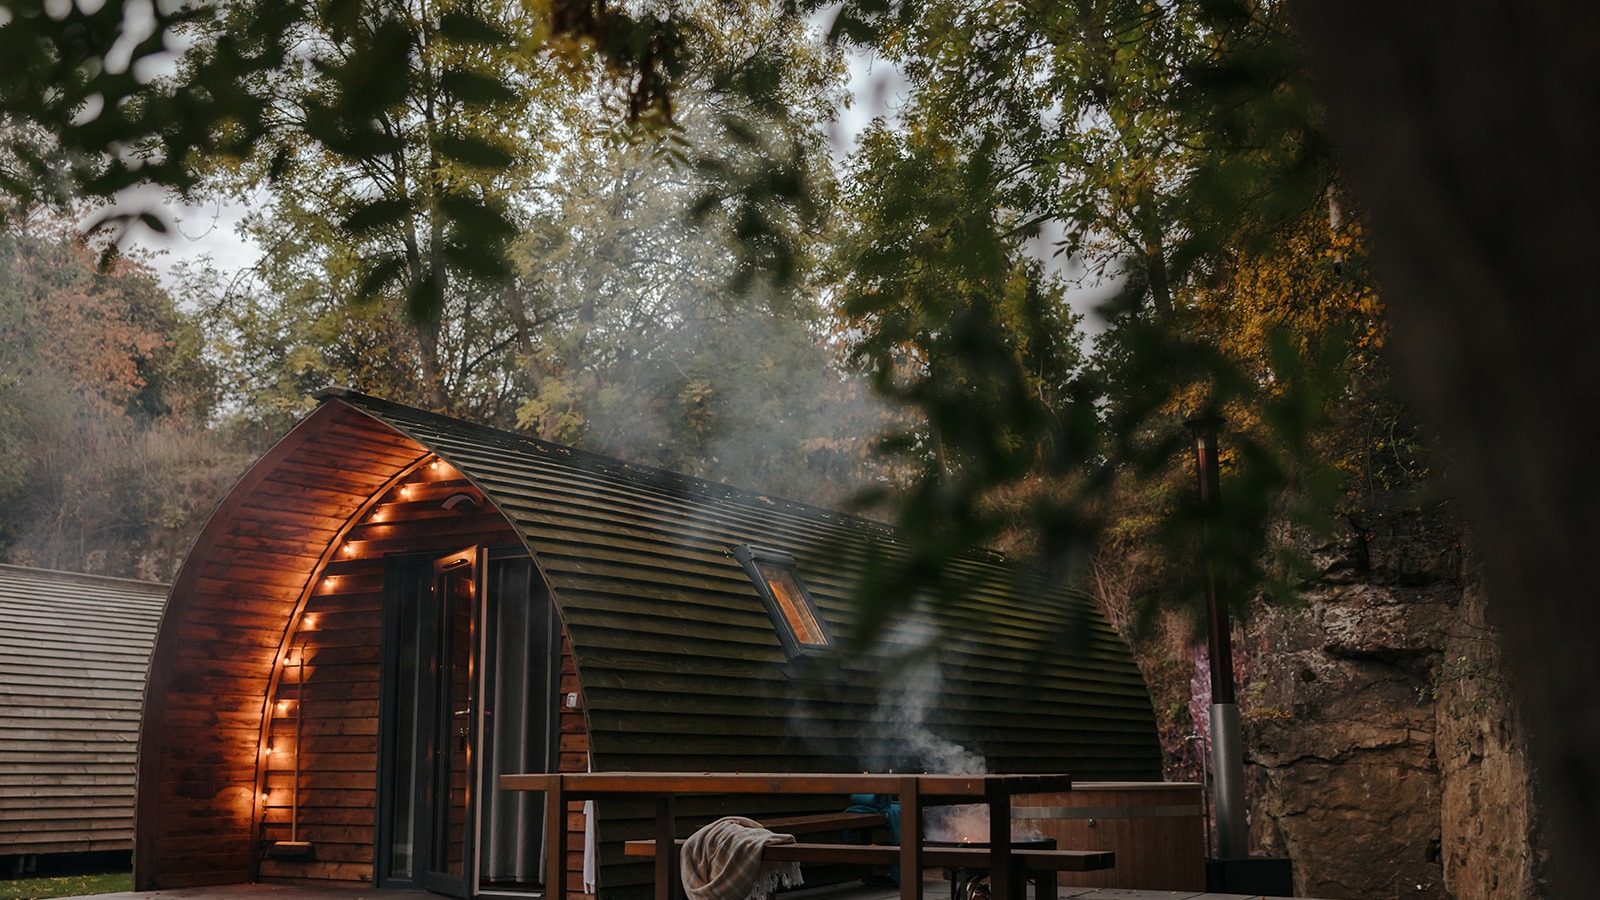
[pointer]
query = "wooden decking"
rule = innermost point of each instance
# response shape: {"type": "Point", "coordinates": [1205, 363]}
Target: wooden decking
{"type": "Point", "coordinates": [933, 889]}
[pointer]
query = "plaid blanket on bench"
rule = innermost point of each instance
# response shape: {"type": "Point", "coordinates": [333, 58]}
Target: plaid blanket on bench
{"type": "Point", "coordinates": [722, 861]}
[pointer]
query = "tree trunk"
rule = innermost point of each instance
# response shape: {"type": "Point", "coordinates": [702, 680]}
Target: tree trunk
{"type": "Point", "coordinates": [1471, 132]}
{"type": "Point", "coordinates": [432, 375]}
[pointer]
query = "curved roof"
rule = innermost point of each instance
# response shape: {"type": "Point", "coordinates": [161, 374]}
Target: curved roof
{"type": "Point", "coordinates": [679, 662]}
{"type": "Point", "coordinates": [73, 651]}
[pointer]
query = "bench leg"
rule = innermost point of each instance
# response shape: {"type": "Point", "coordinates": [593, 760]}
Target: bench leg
{"type": "Point", "coordinates": [555, 841]}
{"type": "Point", "coordinates": [910, 840]}
{"type": "Point", "coordinates": [1002, 875]}
{"type": "Point", "coordinates": [1045, 886]}
{"type": "Point", "coordinates": [667, 881]}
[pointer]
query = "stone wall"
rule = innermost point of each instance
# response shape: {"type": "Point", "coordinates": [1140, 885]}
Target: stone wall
{"type": "Point", "coordinates": [1384, 757]}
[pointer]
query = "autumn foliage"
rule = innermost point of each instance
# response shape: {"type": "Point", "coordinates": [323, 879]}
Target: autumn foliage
{"type": "Point", "coordinates": [107, 462]}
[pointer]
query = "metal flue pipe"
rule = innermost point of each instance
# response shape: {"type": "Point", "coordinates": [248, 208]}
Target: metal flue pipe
{"type": "Point", "coordinates": [1227, 748]}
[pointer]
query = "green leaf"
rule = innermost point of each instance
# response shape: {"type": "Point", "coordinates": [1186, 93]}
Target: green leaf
{"type": "Point", "coordinates": [469, 29]}
{"type": "Point", "coordinates": [342, 16]}
{"type": "Point", "coordinates": [377, 214]}
{"type": "Point", "coordinates": [424, 301]}
{"type": "Point", "coordinates": [480, 259]}
{"type": "Point", "coordinates": [474, 151]}
{"type": "Point", "coordinates": [377, 76]}
{"type": "Point", "coordinates": [380, 274]}
{"type": "Point", "coordinates": [278, 165]}
{"type": "Point", "coordinates": [475, 88]}
{"type": "Point", "coordinates": [484, 221]}
{"type": "Point", "coordinates": [852, 28]}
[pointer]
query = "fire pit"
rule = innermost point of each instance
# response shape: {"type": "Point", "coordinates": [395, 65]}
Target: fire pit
{"type": "Point", "coordinates": [973, 884]}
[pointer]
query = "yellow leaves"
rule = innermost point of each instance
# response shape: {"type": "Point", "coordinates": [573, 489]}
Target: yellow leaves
{"type": "Point", "coordinates": [697, 406]}
{"type": "Point", "coordinates": [554, 413]}
{"type": "Point", "coordinates": [1312, 282]}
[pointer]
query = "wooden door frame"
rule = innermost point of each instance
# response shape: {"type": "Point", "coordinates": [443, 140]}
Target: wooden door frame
{"type": "Point", "coordinates": [443, 731]}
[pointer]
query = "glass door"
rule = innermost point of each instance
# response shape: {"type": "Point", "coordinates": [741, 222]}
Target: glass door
{"type": "Point", "coordinates": [472, 656]}
{"type": "Point", "coordinates": [521, 677]}
{"type": "Point", "coordinates": [430, 733]}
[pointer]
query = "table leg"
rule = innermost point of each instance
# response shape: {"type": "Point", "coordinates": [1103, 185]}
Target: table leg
{"type": "Point", "coordinates": [1001, 874]}
{"type": "Point", "coordinates": [555, 840]}
{"type": "Point", "coordinates": [1046, 885]}
{"type": "Point", "coordinates": [667, 881]}
{"type": "Point", "coordinates": [910, 840]}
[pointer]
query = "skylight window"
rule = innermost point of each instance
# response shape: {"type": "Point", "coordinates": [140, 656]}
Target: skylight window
{"type": "Point", "coordinates": [793, 614]}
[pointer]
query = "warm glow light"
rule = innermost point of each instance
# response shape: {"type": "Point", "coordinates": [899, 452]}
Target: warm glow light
{"type": "Point", "coordinates": [283, 704]}
{"type": "Point", "coordinates": [309, 622]}
{"type": "Point", "coordinates": [405, 490]}
{"type": "Point", "coordinates": [792, 603]}
{"type": "Point", "coordinates": [434, 464]}
{"type": "Point", "coordinates": [349, 549]}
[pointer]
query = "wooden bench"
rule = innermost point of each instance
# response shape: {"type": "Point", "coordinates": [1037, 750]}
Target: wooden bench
{"type": "Point", "coordinates": [1041, 864]}
{"type": "Point", "coordinates": [933, 857]}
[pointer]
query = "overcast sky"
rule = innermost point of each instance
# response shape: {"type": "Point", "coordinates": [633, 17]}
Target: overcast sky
{"type": "Point", "coordinates": [212, 228]}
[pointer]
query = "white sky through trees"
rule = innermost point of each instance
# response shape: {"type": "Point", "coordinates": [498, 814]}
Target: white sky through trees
{"type": "Point", "coordinates": [876, 89]}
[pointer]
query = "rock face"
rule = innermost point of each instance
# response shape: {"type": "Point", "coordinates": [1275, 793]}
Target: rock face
{"type": "Point", "coordinates": [1488, 812]}
{"type": "Point", "coordinates": [1384, 757]}
{"type": "Point", "coordinates": [1341, 734]}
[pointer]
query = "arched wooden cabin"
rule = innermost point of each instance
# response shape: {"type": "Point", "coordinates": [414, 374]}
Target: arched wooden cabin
{"type": "Point", "coordinates": [392, 607]}
{"type": "Point", "coordinates": [73, 650]}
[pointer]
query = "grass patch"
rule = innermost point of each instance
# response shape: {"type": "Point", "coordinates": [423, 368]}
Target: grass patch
{"type": "Point", "coordinates": [65, 886]}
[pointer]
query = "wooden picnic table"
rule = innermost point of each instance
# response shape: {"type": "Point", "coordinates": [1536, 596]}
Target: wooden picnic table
{"type": "Point", "coordinates": [916, 793]}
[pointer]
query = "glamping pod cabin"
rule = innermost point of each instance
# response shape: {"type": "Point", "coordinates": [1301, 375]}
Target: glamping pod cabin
{"type": "Point", "coordinates": [392, 608]}
{"type": "Point", "coordinates": [73, 650]}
